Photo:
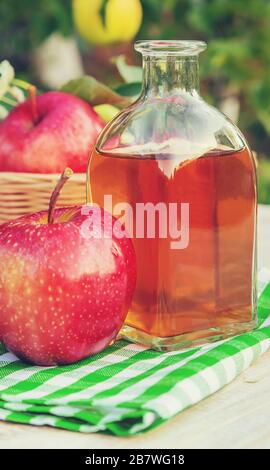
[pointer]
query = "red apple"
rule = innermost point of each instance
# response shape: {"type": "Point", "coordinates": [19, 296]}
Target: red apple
{"type": "Point", "coordinates": [48, 133]}
{"type": "Point", "coordinates": [63, 296]}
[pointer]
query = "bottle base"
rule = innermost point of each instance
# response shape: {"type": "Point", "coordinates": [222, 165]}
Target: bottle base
{"type": "Point", "coordinates": [185, 340]}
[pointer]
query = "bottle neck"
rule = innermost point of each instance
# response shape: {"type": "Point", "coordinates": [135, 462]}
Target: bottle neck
{"type": "Point", "coordinates": [167, 75]}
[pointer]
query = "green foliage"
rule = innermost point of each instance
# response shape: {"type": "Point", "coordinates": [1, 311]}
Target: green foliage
{"type": "Point", "coordinates": [238, 33]}
{"type": "Point", "coordinates": [24, 24]}
{"type": "Point", "coordinates": [264, 181]}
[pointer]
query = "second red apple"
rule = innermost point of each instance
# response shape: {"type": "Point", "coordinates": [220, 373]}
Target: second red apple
{"type": "Point", "coordinates": [49, 133]}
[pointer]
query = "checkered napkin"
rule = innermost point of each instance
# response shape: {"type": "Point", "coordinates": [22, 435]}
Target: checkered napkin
{"type": "Point", "coordinates": [127, 389]}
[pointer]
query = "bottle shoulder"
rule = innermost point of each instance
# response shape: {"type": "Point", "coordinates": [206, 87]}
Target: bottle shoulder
{"type": "Point", "coordinates": [180, 123]}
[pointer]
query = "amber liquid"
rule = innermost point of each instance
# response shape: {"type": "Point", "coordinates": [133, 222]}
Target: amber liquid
{"type": "Point", "coordinates": [209, 283]}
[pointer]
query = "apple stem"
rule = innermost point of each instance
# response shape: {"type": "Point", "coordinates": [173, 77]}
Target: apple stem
{"type": "Point", "coordinates": [32, 90]}
{"type": "Point", "coordinates": [55, 194]}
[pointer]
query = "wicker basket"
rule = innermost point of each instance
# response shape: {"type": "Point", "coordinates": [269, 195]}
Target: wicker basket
{"type": "Point", "coordinates": [22, 193]}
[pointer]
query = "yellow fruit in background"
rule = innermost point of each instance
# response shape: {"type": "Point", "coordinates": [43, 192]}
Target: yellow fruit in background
{"type": "Point", "coordinates": [120, 23]}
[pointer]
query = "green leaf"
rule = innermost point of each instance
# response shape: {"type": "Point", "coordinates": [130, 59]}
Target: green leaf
{"type": "Point", "coordinates": [95, 92]}
{"type": "Point", "coordinates": [264, 181]}
{"type": "Point", "coordinates": [129, 89]}
{"type": "Point", "coordinates": [264, 118]}
{"type": "Point", "coordinates": [129, 73]}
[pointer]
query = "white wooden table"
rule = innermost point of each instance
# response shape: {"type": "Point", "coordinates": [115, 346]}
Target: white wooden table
{"type": "Point", "coordinates": [238, 416]}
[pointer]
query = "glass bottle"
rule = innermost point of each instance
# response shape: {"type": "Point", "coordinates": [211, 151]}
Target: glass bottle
{"type": "Point", "coordinates": [183, 179]}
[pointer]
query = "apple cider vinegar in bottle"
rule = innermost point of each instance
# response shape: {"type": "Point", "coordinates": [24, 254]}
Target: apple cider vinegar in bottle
{"type": "Point", "coordinates": [181, 177]}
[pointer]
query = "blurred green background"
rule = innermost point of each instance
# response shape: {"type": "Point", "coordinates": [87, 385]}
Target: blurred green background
{"type": "Point", "coordinates": [48, 45]}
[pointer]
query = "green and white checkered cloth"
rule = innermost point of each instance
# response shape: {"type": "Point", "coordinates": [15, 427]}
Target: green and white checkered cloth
{"type": "Point", "coordinates": [127, 389]}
